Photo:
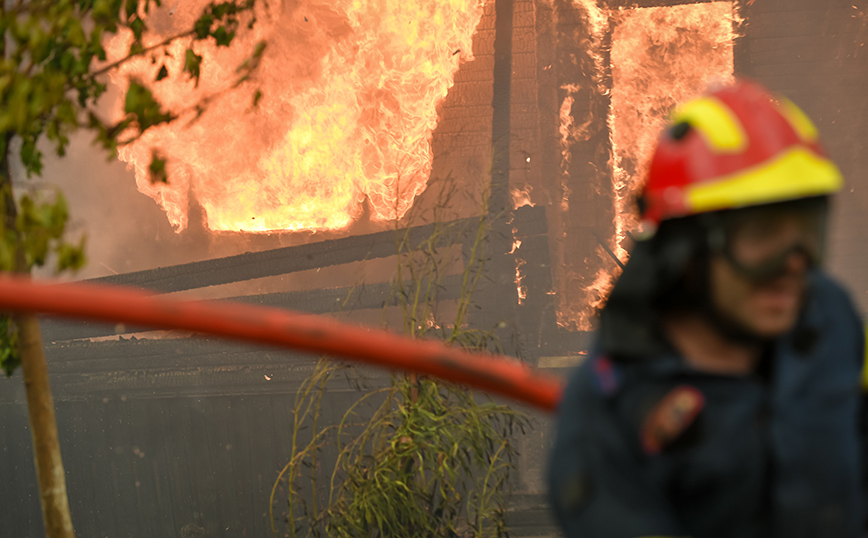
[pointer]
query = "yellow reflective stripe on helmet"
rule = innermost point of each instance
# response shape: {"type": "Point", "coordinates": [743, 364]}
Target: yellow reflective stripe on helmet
{"type": "Point", "coordinates": [797, 173]}
{"type": "Point", "coordinates": [720, 128]}
{"type": "Point", "coordinates": [799, 120]}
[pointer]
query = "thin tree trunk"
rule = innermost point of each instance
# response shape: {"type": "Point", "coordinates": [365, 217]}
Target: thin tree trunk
{"type": "Point", "coordinates": [40, 404]}
{"type": "Point", "coordinates": [43, 429]}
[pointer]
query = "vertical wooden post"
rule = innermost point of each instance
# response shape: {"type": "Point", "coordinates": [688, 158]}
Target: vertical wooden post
{"type": "Point", "coordinates": [500, 300]}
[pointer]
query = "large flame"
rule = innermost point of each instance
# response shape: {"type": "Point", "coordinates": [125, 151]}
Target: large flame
{"type": "Point", "coordinates": [659, 57]}
{"type": "Point", "coordinates": [350, 95]}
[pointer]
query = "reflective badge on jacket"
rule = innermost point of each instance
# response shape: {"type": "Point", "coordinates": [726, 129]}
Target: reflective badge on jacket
{"type": "Point", "coordinates": [670, 418]}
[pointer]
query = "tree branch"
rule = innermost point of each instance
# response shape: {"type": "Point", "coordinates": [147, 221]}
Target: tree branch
{"type": "Point", "coordinates": [146, 50]}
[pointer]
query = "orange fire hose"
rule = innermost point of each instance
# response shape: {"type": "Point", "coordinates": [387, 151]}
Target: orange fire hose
{"type": "Point", "coordinates": [316, 334]}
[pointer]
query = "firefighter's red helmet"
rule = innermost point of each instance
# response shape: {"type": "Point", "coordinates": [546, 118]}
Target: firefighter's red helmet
{"type": "Point", "coordinates": [734, 147]}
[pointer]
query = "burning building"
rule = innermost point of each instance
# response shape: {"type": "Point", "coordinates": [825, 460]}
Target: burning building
{"type": "Point", "coordinates": [369, 117]}
{"type": "Point", "coordinates": [356, 128]}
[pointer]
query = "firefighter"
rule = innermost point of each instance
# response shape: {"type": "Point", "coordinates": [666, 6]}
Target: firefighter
{"type": "Point", "coordinates": [722, 397]}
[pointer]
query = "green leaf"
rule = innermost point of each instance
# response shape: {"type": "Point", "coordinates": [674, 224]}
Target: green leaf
{"type": "Point", "coordinates": [75, 33]}
{"type": "Point", "coordinates": [192, 65]}
{"type": "Point", "coordinates": [103, 11]}
{"type": "Point", "coordinates": [95, 46]}
{"type": "Point", "coordinates": [140, 103]}
{"type": "Point", "coordinates": [221, 10]}
{"type": "Point", "coordinates": [222, 37]}
{"type": "Point", "coordinates": [157, 168]}
{"type": "Point", "coordinates": [136, 48]}
{"type": "Point", "coordinates": [71, 257]}
{"type": "Point", "coordinates": [41, 225]}
{"type": "Point", "coordinates": [31, 157]}
{"type": "Point", "coordinates": [131, 7]}
{"type": "Point", "coordinates": [202, 28]}
{"type": "Point", "coordinates": [137, 25]}
{"type": "Point", "coordinates": [58, 215]}
{"type": "Point", "coordinates": [162, 74]}
{"type": "Point", "coordinates": [66, 113]}
{"type": "Point", "coordinates": [10, 359]}
{"type": "Point", "coordinates": [98, 89]}
{"type": "Point", "coordinates": [8, 244]}
{"type": "Point", "coordinates": [148, 5]}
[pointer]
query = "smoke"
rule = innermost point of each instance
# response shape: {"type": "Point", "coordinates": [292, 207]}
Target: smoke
{"type": "Point", "coordinates": [128, 231]}
{"type": "Point", "coordinates": [125, 230]}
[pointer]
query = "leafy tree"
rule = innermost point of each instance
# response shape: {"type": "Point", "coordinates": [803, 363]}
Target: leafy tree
{"type": "Point", "coordinates": [52, 67]}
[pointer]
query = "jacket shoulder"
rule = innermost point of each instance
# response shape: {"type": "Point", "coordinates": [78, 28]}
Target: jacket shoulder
{"type": "Point", "coordinates": [831, 296]}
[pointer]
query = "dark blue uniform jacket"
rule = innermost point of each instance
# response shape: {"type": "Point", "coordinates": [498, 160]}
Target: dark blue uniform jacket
{"type": "Point", "coordinates": [777, 456]}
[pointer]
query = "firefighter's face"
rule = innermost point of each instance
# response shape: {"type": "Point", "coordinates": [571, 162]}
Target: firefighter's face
{"type": "Point", "coordinates": [766, 306]}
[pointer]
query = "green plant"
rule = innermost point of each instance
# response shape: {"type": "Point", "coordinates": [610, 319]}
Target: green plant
{"type": "Point", "coordinates": [420, 457]}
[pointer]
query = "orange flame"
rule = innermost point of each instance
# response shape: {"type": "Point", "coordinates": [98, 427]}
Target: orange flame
{"type": "Point", "coordinates": [516, 243]}
{"type": "Point", "coordinates": [660, 57]}
{"type": "Point", "coordinates": [350, 95]}
{"type": "Point", "coordinates": [567, 134]}
{"type": "Point", "coordinates": [598, 24]}
{"type": "Point", "coordinates": [521, 197]}
{"type": "Point", "coordinates": [520, 288]}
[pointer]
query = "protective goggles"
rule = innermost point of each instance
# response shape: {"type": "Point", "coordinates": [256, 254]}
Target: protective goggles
{"type": "Point", "coordinates": [759, 241]}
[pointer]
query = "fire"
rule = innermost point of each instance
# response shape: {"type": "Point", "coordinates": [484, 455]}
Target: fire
{"type": "Point", "coordinates": [598, 24]}
{"type": "Point", "coordinates": [578, 300]}
{"type": "Point", "coordinates": [350, 94]}
{"type": "Point", "coordinates": [520, 288]}
{"type": "Point", "coordinates": [567, 134]}
{"type": "Point", "coordinates": [521, 197]}
{"type": "Point", "coordinates": [516, 243]}
{"type": "Point", "coordinates": [659, 57]}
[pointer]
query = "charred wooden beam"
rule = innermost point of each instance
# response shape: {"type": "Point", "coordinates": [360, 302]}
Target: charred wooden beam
{"type": "Point", "coordinates": [497, 291]}
{"type": "Point", "coordinates": [184, 367]}
{"type": "Point", "coordinates": [501, 109]}
{"type": "Point", "coordinates": [531, 221]}
{"type": "Point", "coordinates": [320, 301]}
{"type": "Point", "coordinates": [537, 316]}
{"type": "Point", "coordinates": [279, 261]}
